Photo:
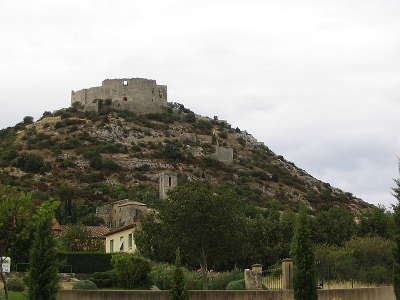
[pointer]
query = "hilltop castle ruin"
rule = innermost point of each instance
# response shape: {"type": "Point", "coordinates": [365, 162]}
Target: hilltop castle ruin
{"type": "Point", "coordinates": [138, 95]}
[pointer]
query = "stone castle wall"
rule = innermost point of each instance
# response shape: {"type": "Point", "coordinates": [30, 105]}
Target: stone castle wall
{"type": "Point", "coordinates": [134, 94]}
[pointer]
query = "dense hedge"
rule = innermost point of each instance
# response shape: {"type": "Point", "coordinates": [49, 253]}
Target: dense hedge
{"type": "Point", "coordinates": [86, 262]}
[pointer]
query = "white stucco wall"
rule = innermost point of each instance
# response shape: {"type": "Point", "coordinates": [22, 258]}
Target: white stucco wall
{"type": "Point", "coordinates": [118, 238]}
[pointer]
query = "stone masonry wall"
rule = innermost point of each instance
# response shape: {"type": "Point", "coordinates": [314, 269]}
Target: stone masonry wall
{"type": "Point", "coordinates": [133, 94]}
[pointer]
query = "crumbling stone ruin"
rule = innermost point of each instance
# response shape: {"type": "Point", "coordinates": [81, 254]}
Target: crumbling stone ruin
{"type": "Point", "coordinates": [137, 95]}
{"type": "Point", "coordinates": [122, 213]}
{"type": "Point", "coordinates": [223, 154]}
{"type": "Point", "coordinates": [167, 181]}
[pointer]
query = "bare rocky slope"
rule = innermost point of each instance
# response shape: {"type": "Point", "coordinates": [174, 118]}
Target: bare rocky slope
{"type": "Point", "coordinates": [88, 159]}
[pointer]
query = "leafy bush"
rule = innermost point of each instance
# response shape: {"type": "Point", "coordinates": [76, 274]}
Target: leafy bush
{"type": "Point", "coordinates": [28, 120]}
{"type": "Point", "coordinates": [162, 276]}
{"type": "Point", "coordinates": [103, 279]}
{"type": "Point", "coordinates": [367, 260]}
{"type": "Point", "coordinates": [68, 122]}
{"type": "Point", "coordinates": [15, 285]}
{"type": "Point", "coordinates": [131, 271]}
{"type": "Point", "coordinates": [30, 163]}
{"type": "Point", "coordinates": [203, 126]}
{"type": "Point", "coordinates": [87, 262]}
{"type": "Point", "coordinates": [110, 165]}
{"type": "Point", "coordinates": [219, 281]}
{"type": "Point", "coordinates": [236, 285]}
{"type": "Point", "coordinates": [84, 285]}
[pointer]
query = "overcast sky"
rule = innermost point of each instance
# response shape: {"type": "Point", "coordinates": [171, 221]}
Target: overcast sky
{"type": "Point", "coordinates": [317, 81]}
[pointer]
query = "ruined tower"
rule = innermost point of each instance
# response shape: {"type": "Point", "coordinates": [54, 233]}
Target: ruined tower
{"type": "Point", "coordinates": [138, 95]}
{"type": "Point", "coordinates": [167, 181]}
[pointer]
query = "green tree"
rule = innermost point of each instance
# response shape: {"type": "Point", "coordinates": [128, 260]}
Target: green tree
{"type": "Point", "coordinates": [263, 239]}
{"type": "Point", "coordinates": [205, 225]}
{"type": "Point", "coordinates": [42, 278]}
{"type": "Point", "coordinates": [334, 226]}
{"type": "Point", "coordinates": [16, 209]}
{"type": "Point", "coordinates": [153, 240]}
{"type": "Point", "coordinates": [304, 277]}
{"type": "Point", "coordinates": [396, 248]}
{"type": "Point", "coordinates": [28, 120]}
{"type": "Point", "coordinates": [376, 221]}
{"type": "Point", "coordinates": [178, 291]}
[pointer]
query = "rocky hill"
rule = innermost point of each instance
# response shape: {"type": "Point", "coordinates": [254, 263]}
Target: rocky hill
{"type": "Point", "coordinates": [88, 159]}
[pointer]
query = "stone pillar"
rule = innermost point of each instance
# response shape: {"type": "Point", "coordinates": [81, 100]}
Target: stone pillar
{"type": "Point", "coordinates": [287, 274]}
{"type": "Point", "coordinates": [253, 277]}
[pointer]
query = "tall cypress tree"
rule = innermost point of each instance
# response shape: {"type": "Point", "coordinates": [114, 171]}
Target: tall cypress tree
{"type": "Point", "coordinates": [304, 277]}
{"type": "Point", "coordinates": [396, 249]}
{"type": "Point", "coordinates": [43, 271]}
{"type": "Point", "coordinates": [178, 291]}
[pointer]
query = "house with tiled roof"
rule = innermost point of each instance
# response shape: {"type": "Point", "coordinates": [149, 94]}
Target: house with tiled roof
{"type": "Point", "coordinates": [122, 239]}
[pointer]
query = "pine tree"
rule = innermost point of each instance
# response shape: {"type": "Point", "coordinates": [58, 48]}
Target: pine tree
{"type": "Point", "coordinates": [178, 291]}
{"type": "Point", "coordinates": [304, 277]}
{"type": "Point", "coordinates": [43, 271]}
{"type": "Point", "coordinates": [396, 249]}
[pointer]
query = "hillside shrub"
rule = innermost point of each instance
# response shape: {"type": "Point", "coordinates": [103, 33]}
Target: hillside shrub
{"type": "Point", "coordinates": [131, 271]}
{"type": "Point", "coordinates": [68, 122]}
{"type": "Point", "coordinates": [87, 262]}
{"type": "Point", "coordinates": [110, 165]}
{"type": "Point", "coordinates": [15, 285]}
{"type": "Point", "coordinates": [28, 120]}
{"type": "Point", "coordinates": [103, 279]}
{"type": "Point", "coordinates": [236, 285]}
{"type": "Point", "coordinates": [29, 162]}
{"type": "Point", "coordinates": [203, 126]}
{"type": "Point", "coordinates": [84, 285]}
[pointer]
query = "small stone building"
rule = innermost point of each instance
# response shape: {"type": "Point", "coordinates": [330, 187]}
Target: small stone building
{"type": "Point", "coordinates": [138, 95]}
{"type": "Point", "coordinates": [122, 213]}
{"type": "Point", "coordinates": [223, 154]}
{"type": "Point", "coordinates": [167, 181]}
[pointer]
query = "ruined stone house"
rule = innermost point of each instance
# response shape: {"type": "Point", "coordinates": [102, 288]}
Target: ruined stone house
{"type": "Point", "coordinates": [137, 95]}
{"type": "Point", "coordinates": [122, 213]}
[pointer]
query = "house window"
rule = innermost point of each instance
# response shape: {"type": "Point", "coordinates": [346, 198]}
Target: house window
{"type": "Point", "coordinates": [130, 241]}
{"type": "Point", "coordinates": [125, 98]}
{"type": "Point", "coordinates": [125, 83]}
{"type": "Point", "coordinates": [169, 181]}
{"type": "Point", "coordinates": [121, 243]}
{"type": "Point", "coordinates": [111, 246]}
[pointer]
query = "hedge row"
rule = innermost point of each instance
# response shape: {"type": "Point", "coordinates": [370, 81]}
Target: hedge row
{"type": "Point", "coordinates": [86, 262]}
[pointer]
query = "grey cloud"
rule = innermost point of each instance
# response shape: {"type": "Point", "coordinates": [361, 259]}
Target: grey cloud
{"type": "Point", "coordinates": [317, 81]}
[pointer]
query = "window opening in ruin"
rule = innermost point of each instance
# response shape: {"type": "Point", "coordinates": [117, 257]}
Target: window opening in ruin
{"type": "Point", "coordinates": [169, 181]}
{"type": "Point", "coordinates": [125, 82]}
{"type": "Point", "coordinates": [125, 98]}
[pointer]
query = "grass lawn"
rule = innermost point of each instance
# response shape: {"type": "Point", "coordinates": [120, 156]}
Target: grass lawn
{"type": "Point", "coordinates": [17, 296]}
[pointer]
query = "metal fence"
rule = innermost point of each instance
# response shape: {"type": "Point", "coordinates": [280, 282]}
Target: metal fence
{"type": "Point", "coordinates": [272, 278]}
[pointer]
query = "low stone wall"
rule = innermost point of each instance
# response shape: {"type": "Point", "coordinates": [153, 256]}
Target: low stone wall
{"type": "Point", "coordinates": [381, 293]}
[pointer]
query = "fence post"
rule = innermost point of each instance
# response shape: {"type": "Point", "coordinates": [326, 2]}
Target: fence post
{"type": "Point", "coordinates": [253, 277]}
{"type": "Point", "coordinates": [287, 274]}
